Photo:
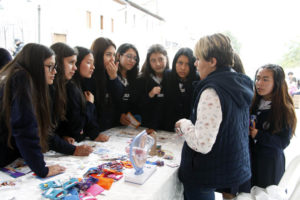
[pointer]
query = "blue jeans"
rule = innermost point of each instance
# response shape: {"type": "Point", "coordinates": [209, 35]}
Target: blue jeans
{"type": "Point", "coordinates": [194, 192]}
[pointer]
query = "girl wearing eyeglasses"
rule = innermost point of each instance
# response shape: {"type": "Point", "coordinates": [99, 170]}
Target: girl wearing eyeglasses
{"type": "Point", "coordinates": [25, 111]}
{"type": "Point", "coordinates": [104, 84]}
{"type": "Point", "coordinates": [151, 87]}
{"type": "Point", "coordinates": [128, 59]}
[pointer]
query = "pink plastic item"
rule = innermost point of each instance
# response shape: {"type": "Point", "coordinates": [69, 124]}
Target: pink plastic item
{"type": "Point", "coordinates": [95, 190]}
{"type": "Point", "coordinates": [86, 196]}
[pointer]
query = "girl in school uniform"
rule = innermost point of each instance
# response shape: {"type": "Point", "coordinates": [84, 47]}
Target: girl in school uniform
{"type": "Point", "coordinates": [151, 87]}
{"type": "Point", "coordinates": [25, 111]}
{"type": "Point", "coordinates": [76, 125]}
{"type": "Point", "coordinates": [55, 142]}
{"type": "Point", "coordinates": [81, 108]}
{"type": "Point", "coordinates": [273, 111]}
{"type": "Point", "coordinates": [128, 59]}
{"type": "Point", "coordinates": [104, 84]}
{"type": "Point", "coordinates": [179, 88]}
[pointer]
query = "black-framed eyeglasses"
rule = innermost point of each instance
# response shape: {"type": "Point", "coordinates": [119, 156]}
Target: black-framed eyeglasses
{"type": "Point", "coordinates": [51, 67]}
{"type": "Point", "coordinates": [110, 54]}
{"type": "Point", "coordinates": [130, 57]}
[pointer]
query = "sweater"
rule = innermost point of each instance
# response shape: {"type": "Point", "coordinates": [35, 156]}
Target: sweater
{"type": "Point", "coordinates": [80, 117]}
{"type": "Point", "coordinates": [106, 113]}
{"type": "Point", "coordinates": [24, 127]}
{"type": "Point", "coordinates": [178, 101]}
{"type": "Point", "coordinates": [267, 156]}
{"type": "Point", "coordinates": [128, 101]}
{"type": "Point", "coordinates": [151, 108]}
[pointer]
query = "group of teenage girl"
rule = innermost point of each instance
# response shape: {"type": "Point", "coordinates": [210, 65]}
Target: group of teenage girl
{"type": "Point", "coordinates": [51, 98]}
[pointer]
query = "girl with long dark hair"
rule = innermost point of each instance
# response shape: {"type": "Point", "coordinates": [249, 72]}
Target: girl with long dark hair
{"type": "Point", "coordinates": [66, 58]}
{"type": "Point", "coordinates": [81, 116]}
{"type": "Point", "coordinates": [180, 88]}
{"type": "Point", "coordinates": [273, 112]}
{"type": "Point", "coordinates": [128, 59]}
{"type": "Point", "coordinates": [25, 110]}
{"type": "Point", "coordinates": [152, 86]}
{"type": "Point", "coordinates": [104, 83]}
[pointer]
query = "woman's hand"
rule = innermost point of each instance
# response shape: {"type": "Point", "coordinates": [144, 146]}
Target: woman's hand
{"type": "Point", "coordinates": [70, 140]}
{"type": "Point", "coordinates": [124, 120]}
{"type": "Point", "coordinates": [253, 132]}
{"type": "Point", "coordinates": [112, 70]}
{"type": "Point", "coordinates": [178, 128]}
{"type": "Point", "coordinates": [102, 138]}
{"type": "Point", "coordinates": [55, 169]}
{"type": "Point", "coordinates": [83, 150]}
{"type": "Point", "coordinates": [177, 125]}
{"type": "Point", "coordinates": [156, 90]}
{"type": "Point", "coordinates": [89, 96]}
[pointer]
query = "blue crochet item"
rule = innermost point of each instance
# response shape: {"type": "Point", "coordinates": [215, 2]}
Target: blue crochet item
{"type": "Point", "coordinates": [70, 183]}
{"type": "Point", "coordinates": [73, 195]}
{"type": "Point", "coordinates": [54, 194]}
{"type": "Point", "coordinates": [50, 184]}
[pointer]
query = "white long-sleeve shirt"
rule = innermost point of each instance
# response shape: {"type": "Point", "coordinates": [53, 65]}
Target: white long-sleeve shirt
{"type": "Point", "coordinates": [202, 136]}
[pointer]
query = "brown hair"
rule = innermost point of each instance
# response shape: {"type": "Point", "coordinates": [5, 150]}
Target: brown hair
{"type": "Point", "coordinates": [30, 62]}
{"type": "Point", "coordinates": [282, 110]}
{"type": "Point", "coordinates": [62, 51]}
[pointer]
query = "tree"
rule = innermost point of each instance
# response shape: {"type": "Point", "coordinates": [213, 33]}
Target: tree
{"type": "Point", "coordinates": [236, 45]}
{"type": "Point", "coordinates": [291, 58]}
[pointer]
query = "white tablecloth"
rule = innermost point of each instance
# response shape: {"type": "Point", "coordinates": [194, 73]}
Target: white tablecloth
{"type": "Point", "coordinates": [162, 185]}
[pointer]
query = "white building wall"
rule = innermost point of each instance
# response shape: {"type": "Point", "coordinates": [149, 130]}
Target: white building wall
{"type": "Point", "coordinates": [69, 17]}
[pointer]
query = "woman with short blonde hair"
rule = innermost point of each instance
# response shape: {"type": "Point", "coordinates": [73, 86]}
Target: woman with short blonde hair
{"type": "Point", "coordinates": [215, 153]}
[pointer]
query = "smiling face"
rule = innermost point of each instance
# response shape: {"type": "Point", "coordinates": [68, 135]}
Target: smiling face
{"type": "Point", "coordinates": [264, 83]}
{"type": "Point", "coordinates": [158, 63]}
{"type": "Point", "coordinates": [69, 66]}
{"type": "Point", "coordinates": [50, 71]}
{"type": "Point", "coordinates": [182, 67]}
{"type": "Point", "coordinates": [87, 66]}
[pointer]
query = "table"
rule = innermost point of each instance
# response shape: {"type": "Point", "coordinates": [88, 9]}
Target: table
{"type": "Point", "coordinates": [162, 185]}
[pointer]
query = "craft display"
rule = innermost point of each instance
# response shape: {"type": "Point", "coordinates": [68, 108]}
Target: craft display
{"type": "Point", "coordinates": [86, 183]}
{"type": "Point", "coordinates": [139, 150]}
{"type": "Point", "coordinates": [103, 170]}
{"type": "Point", "coordinates": [50, 184]}
{"type": "Point", "coordinates": [72, 189]}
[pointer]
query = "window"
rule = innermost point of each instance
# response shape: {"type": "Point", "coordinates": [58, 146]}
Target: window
{"type": "Point", "coordinates": [57, 37]}
{"type": "Point", "coordinates": [101, 22]}
{"type": "Point", "coordinates": [88, 19]}
{"type": "Point", "coordinates": [134, 20]}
